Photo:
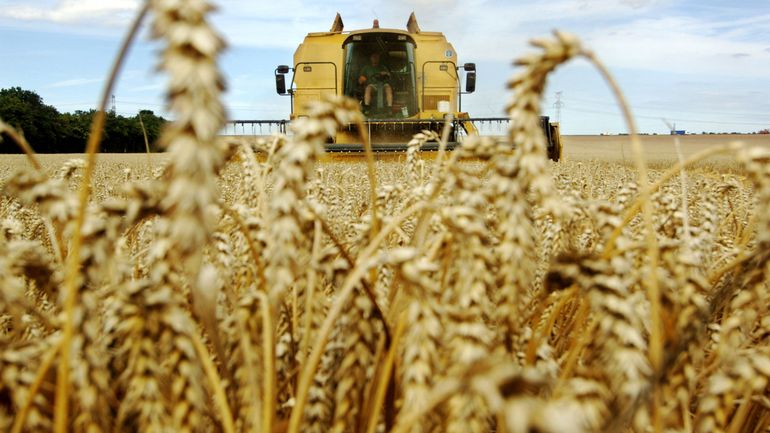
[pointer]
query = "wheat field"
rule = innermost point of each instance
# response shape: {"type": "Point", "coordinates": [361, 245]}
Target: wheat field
{"type": "Point", "coordinates": [244, 286]}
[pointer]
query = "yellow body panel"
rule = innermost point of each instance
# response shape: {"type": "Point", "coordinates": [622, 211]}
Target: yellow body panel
{"type": "Point", "coordinates": [434, 84]}
{"type": "Point", "coordinates": [322, 54]}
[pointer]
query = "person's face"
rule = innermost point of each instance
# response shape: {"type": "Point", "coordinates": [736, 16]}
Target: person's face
{"type": "Point", "coordinates": [375, 59]}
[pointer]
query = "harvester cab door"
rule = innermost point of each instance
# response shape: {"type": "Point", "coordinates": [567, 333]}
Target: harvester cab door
{"type": "Point", "coordinates": [395, 53]}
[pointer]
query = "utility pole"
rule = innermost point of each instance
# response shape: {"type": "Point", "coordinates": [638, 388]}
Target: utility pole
{"type": "Point", "coordinates": [557, 105]}
{"type": "Point", "coordinates": [113, 108]}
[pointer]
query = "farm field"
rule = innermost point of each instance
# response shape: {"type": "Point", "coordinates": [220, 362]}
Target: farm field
{"type": "Point", "coordinates": [659, 149]}
{"type": "Point", "coordinates": [471, 292]}
{"type": "Point", "coordinates": [253, 286]}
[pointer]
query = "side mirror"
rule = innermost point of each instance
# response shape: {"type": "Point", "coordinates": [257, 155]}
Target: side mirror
{"type": "Point", "coordinates": [280, 79]}
{"type": "Point", "coordinates": [469, 67]}
{"type": "Point", "coordinates": [470, 82]}
{"type": "Point", "coordinates": [280, 84]}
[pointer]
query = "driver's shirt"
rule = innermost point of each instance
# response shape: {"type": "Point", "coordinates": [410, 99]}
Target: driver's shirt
{"type": "Point", "coordinates": [370, 71]}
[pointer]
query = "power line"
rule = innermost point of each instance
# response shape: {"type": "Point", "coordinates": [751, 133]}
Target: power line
{"type": "Point", "coordinates": [90, 103]}
{"type": "Point", "coordinates": [141, 103]}
{"type": "Point", "coordinates": [633, 106]}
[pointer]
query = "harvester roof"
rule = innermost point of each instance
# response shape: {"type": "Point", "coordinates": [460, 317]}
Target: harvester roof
{"type": "Point", "coordinates": [412, 29]}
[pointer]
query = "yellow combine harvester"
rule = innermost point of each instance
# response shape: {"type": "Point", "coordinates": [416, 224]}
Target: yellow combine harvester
{"type": "Point", "coordinates": [406, 80]}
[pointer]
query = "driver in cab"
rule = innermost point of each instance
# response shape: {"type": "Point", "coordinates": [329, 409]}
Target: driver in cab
{"type": "Point", "coordinates": [372, 74]}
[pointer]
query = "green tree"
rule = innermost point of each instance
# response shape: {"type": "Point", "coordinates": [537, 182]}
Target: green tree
{"type": "Point", "coordinates": [153, 125]}
{"type": "Point", "coordinates": [120, 134]}
{"type": "Point", "coordinates": [25, 110]}
{"type": "Point", "coordinates": [47, 130]}
{"type": "Point", "coordinates": [75, 129]}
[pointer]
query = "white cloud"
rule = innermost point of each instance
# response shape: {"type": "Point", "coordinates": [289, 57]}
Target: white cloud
{"type": "Point", "coordinates": [479, 29]}
{"type": "Point", "coordinates": [75, 82]}
{"type": "Point", "coordinates": [667, 36]}
{"type": "Point", "coordinates": [155, 87]}
{"type": "Point", "coordinates": [107, 13]}
{"type": "Point", "coordinates": [471, 23]}
{"type": "Point", "coordinates": [676, 44]}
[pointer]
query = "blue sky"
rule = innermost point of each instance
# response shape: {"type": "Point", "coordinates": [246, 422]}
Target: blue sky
{"type": "Point", "coordinates": [704, 65]}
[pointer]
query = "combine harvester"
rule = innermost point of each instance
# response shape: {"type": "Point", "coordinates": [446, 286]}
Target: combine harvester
{"type": "Point", "coordinates": [423, 86]}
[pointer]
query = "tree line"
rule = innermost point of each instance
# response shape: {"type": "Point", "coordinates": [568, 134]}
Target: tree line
{"type": "Point", "coordinates": [49, 131]}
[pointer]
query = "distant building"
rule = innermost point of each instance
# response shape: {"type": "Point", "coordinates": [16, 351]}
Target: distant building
{"type": "Point", "coordinates": [675, 131]}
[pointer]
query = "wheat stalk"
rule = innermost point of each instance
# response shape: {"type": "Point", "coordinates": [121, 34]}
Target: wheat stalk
{"type": "Point", "coordinates": [490, 291]}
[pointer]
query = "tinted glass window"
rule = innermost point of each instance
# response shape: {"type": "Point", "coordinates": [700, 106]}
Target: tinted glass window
{"type": "Point", "coordinates": [397, 57]}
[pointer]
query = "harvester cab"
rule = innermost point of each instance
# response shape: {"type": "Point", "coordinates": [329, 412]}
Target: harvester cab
{"type": "Point", "coordinates": [406, 81]}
